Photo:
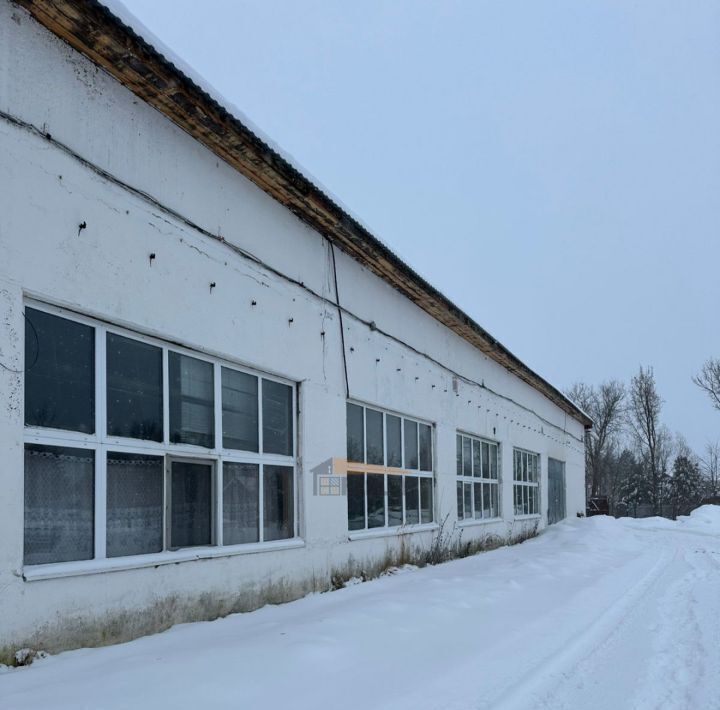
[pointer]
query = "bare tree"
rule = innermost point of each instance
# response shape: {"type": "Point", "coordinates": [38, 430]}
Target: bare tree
{"type": "Point", "coordinates": [710, 464]}
{"type": "Point", "coordinates": [644, 421]}
{"type": "Point", "coordinates": [708, 379]}
{"type": "Point", "coordinates": [604, 404]}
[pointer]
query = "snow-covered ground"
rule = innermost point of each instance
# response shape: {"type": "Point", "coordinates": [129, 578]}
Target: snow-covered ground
{"type": "Point", "coordinates": [594, 613]}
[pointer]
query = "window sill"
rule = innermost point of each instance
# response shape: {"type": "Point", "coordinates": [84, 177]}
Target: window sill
{"type": "Point", "coordinates": [391, 532]}
{"type": "Point", "coordinates": [470, 523]}
{"type": "Point", "coordinates": [534, 516]}
{"type": "Point", "coordinates": [117, 564]}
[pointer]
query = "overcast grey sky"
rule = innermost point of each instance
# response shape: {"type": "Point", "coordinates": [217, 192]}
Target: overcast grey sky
{"type": "Point", "coordinates": [553, 167]}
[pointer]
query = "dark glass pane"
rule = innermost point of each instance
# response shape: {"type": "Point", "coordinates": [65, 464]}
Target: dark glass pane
{"type": "Point", "coordinates": [517, 467]}
{"type": "Point", "coordinates": [395, 500]}
{"type": "Point", "coordinates": [192, 418]}
{"type": "Point", "coordinates": [356, 500]}
{"type": "Point", "coordinates": [458, 454]}
{"type": "Point", "coordinates": [355, 434]}
{"type": "Point", "coordinates": [394, 440]}
{"type": "Point", "coordinates": [374, 434]}
{"type": "Point", "coordinates": [493, 461]}
{"type": "Point", "coordinates": [467, 456]}
{"type": "Point", "coordinates": [477, 458]}
{"type": "Point", "coordinates": [495, 501]}
{"type": "Point", "coordinates": [485, 460]}
{"type": "Point", "coordinates": [487, 500]}
{"type": "Point", "coordinates": [411, 444]}
{"type": "Point", "coordinates": [239, 410]}
{"type": "Point", "coordinates": [134, 504]}
{"type": "Point", "coordinates": [468, 500]}
{"type": "Point", "coordinates": [241, 503]}
{"type": "Point", "coordinates": [517, 499]}
{"type": "Point", "coordinates": [459, 489]}
{"type": "Point", "coordinates": [134, 389]}
{"type": "Point", "coordinates": [191, 503]}
{"type": "Point", "coordinates": [412, 500]}
{"type": "Point", "coordinates": [477, 494]}
{"type": "Point", "coordinates": [426, 500]}
{"type": "Point", "coordinates": [278, 503]}
{"type": "Point", "coordinates": [277, 403]}
{"type": "Point", "coordinates": [59, 504]}
{"type": "Point", "coordinates": [425, 447]}
{"type": "Point", "coordinates": [376, 500]}
{"type": "Point", "coordinates": [59, 373]}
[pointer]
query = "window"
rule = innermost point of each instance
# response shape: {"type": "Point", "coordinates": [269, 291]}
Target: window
{"type": "Point", "coordinates": [526, 486]}
{"type": "Point", "coordinates": [388, 498]}
{"type": "Point", "coordinates": [478, 478]}
{"type": "Point", "coordinates": [187, 451]}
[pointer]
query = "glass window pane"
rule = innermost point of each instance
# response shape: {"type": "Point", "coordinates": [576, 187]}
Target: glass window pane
{"type": "Point", "coordinates": [425, 447]}
{"type": "Point", "coordinates": [525, 501]}
{"type": "Point", "coordinates": [412, 500]}
{"type": "Point", "coordinates": [468, 500]}
{"type": "Point", "coordinates": [477, 495]}
{"type": "Point", "coordinates": [374, 434]}
{"type": "Point", "coordinates": [517, 499]}
{"type": "Point", "coordinates": [356, 500]}
{"type": "Point", "coordinates": [191, 504]}
{"type": "Point", "coordinates": [376, 500]}
{"type": "Point", "coordinates": [134, 389]}
{"type": "Point", "coordinates": [241, 503]}
{"type": "Point", "coordinates": [493, 461]}
{"type": "Point", "coordinates": [459, 490]}
{"type": "Point", "coordinates": [535, 468]}
{"type": "Point", "coordinates": [486, 459]}
{"type": "Point", "coordinates": [278, 502]}
{"type": "Point", "coordinates": [134, 504]}
{"type": "Point", "coordinates": [239, 410]}
{"type": "Point", "coordinates": [59, 373]}
{"type": "Point", "coordinates": [411, 444]}
{"type": "Point", "coordinates": [458, 455]}
{"type": "Point", "coordinates": [59, 504]}
{"type": "Point", "coordinates": [192, 419]}
{"type": "Point", "coordinates": [426, 500]}
{"type": "Point", "coordinates": [516, 465]}
{"type": "Point", "coordinates": [277, 418]}
{"type": "Point", "coordinates": [477, 458]}
{"type": "Point", "coordinates": [394, 440]}
{"type": "Point", "coordinates": [395, 500]}
{"type": "Point", "coordinates": [355, 434]}
{"type": "Point", "coordinates": [487, 500]}
{"type": "Point", "coordinates": [495, 501]}
{"type": "Point", "coordinates": [467, 456]}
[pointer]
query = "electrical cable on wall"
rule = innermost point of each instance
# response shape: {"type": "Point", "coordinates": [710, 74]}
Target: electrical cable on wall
{"type": "Point", "coordinates": [37, 351]}
{"type": "Point", "coordinates": [340, 313]}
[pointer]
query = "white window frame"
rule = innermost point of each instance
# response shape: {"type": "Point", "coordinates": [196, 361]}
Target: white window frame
{"type": "Point", "coordinates": [102, 443]}
{"type": "Point", "coordinates": [361, 467]}
{"type": "Point", "coordinates": [482, 479]}
{"type": "Point", "coordinates": [525, 484]}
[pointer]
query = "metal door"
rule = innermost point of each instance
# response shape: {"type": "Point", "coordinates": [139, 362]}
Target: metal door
{"type": "Point", "coordinates": [556, 491]}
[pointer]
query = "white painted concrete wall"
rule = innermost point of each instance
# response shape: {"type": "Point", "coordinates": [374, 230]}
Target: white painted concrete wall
{"type": "Point", "coordinates": [105, 272]}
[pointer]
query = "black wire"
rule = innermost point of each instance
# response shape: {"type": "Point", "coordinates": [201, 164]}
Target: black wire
{"type": "Point", "coordinates": [37, 351]}
{"type": "Point", "coordinates": [340, 313]}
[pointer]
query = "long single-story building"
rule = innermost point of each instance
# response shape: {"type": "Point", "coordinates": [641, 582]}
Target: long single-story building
{"type": "Point", "coordinates": [218, 388]}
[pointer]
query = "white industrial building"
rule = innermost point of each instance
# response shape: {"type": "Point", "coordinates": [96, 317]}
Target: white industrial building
{"type": "Point", "coordinates": [218, 389]}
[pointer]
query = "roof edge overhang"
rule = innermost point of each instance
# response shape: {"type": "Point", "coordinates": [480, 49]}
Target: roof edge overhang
{"type": "Point", "coordinates": [91, 28]}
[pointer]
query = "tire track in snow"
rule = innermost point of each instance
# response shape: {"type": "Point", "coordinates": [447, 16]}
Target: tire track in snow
{"type": "Point", "coordinates": [684, 670]}
{"type": "Point", "coordinates": [536, 689]}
